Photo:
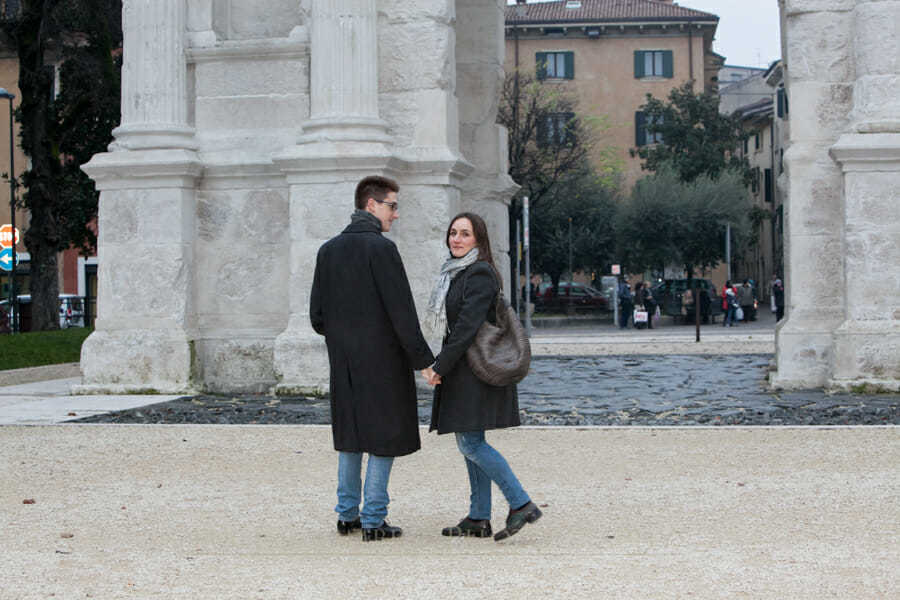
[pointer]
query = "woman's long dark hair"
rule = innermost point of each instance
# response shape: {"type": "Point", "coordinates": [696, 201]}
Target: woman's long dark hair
{"type": "Point", "coordinates": [482, 241]}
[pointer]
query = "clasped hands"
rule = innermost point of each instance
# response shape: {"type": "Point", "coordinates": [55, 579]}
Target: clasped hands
{"type": "Point", "coordinates": [430, 376]}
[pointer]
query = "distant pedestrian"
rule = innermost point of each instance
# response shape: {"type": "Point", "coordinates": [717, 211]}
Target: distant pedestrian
{"type": "Point", "coordinates": [626, 304]}
{"type": "Point", "coordinates": [729, 304]}
{"type": "Point", "coordinates": [778, 294]}
{"type": "Point", "coordinates": [649, 303]}
{"type": "Point", "coordinates": [361, 302]}
{"type": "Point", "coordinates": [745, 299]}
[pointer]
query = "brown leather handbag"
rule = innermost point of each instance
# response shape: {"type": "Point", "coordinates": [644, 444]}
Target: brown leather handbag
{"type": "Point", "coordinates": [500, 354]}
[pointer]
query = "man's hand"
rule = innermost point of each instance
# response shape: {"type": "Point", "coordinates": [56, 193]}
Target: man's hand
{"type": "Point", "coordinates": [430, 376]}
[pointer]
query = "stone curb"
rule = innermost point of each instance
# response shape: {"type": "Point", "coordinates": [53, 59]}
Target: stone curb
{"type": "Point", "coordinates": [42, 373]}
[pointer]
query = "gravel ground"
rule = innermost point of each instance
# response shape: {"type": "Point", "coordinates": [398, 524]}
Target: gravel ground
{"type": "Point", "coordinates": [576, 391]}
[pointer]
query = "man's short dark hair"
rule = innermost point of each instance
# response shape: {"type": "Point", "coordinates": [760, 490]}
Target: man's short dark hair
{"type": "Point", "coordinates": [375, 187]}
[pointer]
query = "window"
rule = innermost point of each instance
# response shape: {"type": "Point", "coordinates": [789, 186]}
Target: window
{"type": "Point", "coordinates": [782, 102]}
{"type": "Point", "coordinates": [746, 147]}
{"type": "Point", "coordinates": [754, 181]}
{"type": "Point", "coordinates": [641, 124]}
{"type": "Point", "coordinates": [556, 129]}
{"type": "Point", "coordinates": [555, 65]}
{"type": "Point", "coordinates": [768, 182]}
{"type": "Point", "coordinates": [756, 144]}
{"type": "Point", "coordinates": [653, 63]}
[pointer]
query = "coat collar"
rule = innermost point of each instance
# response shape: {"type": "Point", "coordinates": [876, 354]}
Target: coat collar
{"type": "Point", "coordinates": [363, 222]}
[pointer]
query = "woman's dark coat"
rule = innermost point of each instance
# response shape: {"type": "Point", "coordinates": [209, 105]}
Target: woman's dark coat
{"type": "Point", "coordinates": [362, 304]}
{"type": "Point", "coordinates": [462, 402]}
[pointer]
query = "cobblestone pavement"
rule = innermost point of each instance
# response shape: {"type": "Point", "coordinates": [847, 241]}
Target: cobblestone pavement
{"type": "Point", "coordinates": [589, 390]}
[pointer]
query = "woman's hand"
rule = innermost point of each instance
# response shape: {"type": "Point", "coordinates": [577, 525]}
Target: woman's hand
{"type": "Point", "coordinates": [430, 376]}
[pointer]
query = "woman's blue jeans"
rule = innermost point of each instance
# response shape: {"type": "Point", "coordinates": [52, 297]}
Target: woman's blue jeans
{"type": "Point", "coordinates": [485, 465]}
{"type": "Point", "coordinates": [378, 472]}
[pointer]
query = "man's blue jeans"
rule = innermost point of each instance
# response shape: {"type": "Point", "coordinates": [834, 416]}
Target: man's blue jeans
{"type": "Point", "coordinates": [378, 472]}
{"type": "Point", "coordinates": [485, 465]}
{"type": "Point", "coordinates": [729, 316]}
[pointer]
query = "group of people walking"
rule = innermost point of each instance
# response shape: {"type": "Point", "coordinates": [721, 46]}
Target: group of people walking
{"type": "Point", "coordinates": [631, 304]}
{"type": "Point", "coordinates": [362, 303]}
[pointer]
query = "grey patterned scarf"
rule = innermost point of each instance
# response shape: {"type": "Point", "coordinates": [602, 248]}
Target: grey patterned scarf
{"type": "Point", "coordinates": [436, 315]}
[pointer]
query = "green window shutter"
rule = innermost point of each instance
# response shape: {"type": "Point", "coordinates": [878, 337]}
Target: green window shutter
{"type": "Point", "coordinates": [668, 64]}
{"type": "Point", "coordinates": [570, 65]}
{"type": "Point", "coordinates": [640, 132]}
{"type": "Point", "coordinates": [540, 59]}
{"type": "Point", "coordinates": [638, 64]}
{"type": "Point", "coordinates": [780, 97]}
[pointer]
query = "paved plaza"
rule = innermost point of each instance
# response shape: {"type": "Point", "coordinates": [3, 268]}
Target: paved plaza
{"type": "Point", "coordinates": [245, 511]}
{"type": "Point", "coordinates": [214, 512]}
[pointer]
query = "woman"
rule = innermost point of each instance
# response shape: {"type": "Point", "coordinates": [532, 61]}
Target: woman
{"type": "Point", "coordinates": [464, 296]}
{"type": "Point", "coordinates": [729, 304]}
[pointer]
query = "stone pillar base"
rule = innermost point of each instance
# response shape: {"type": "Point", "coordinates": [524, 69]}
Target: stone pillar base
{"type": "Point", "coordinates": [804, 351]}
{"type": "Point", "coordinates": [136, 361]}
{"type": "Point", "coordinates": [867, 357]}
{"type": "Point", "coordinates": [301, 363]}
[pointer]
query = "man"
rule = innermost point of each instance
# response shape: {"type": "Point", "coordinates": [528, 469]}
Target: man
{"type": "Point", "coordinates": [778, 294]}
{"type": "Point", "coordinates": [745, 300]}
{"type": "Point", "coordinates": [361, 302]}
{"type": "Point", "coordinates": [626, 303]}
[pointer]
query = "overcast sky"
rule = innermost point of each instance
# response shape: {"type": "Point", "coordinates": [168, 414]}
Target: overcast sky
{"type": "Point", "coordinates": [748, 32]}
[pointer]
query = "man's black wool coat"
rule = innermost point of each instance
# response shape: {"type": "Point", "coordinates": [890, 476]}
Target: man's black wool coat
{"type": "Point", "coordinates": [361, 302]}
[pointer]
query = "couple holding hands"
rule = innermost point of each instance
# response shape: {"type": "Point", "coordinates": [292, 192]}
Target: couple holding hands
{"type": "Point", "coordinates": [361, 302]}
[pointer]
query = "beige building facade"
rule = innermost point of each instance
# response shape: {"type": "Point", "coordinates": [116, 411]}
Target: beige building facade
{"type": "Point", "coordinates": [611, 55]}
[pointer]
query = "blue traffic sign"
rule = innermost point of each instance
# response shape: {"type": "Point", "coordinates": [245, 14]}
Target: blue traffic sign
{"type": "Point", "coordinates": [6, 259]}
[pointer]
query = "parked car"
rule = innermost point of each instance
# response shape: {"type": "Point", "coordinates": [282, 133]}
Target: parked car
{"type": "Point", "coordinates": [71, 311]}
{"type": "Point", "coordinates": [670, 296]}
{"type": "Point", "coordinates": [580, 295]}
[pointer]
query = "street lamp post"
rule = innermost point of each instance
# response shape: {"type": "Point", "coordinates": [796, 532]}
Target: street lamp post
{"type": "Point", "coordinates": [12, 213]}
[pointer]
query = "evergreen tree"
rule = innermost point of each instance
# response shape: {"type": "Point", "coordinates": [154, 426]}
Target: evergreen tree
{"type": "Point", "coordinates": [60, 132]}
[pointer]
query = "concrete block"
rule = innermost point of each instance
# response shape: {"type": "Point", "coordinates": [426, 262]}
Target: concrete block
{"type": "Point", "coordinates": [796, 7]}
{"type": "Point", "coordinates": [270, 19]}
{"type": "Point", "coordinates": [820, 47]}
{"type": "Point", "coordinates": [234, 77]}
{"type": "Point", "coordinates": [434, 51]}
{"type": "Point", "coordinates": [877, 40]}
{"type": "Point", "coordinates": [252, 112]}
{"type": "Point", "coordinates": [825, 113]}
{"type": "Point", "coordinates": [406, 11]}
{"type": "Point", "coordinates": [237, 365]}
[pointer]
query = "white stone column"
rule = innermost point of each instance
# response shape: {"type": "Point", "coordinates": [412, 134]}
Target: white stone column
{"type": "Point", "coordinates": [146, 320]}
{"type": "Point", "coordinates": [344, 72]}
{"type": "Point", "coordinates": [876, 92]}
{"type": "Point", "coordinates": [154, 76]}
{"type": "Point", "coordinates": [867, 343]}
{"type": "Point", "coordinates": [820, 76]}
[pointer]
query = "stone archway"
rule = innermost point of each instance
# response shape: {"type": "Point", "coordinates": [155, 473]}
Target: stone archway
{"type": "Point", "coordinates": [842, 236]}
{"type": "Point", "coordinates": [241, 142]}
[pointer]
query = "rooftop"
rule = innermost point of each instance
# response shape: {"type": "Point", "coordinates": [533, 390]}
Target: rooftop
{"type": "Point", "coordinates": [603, 11]}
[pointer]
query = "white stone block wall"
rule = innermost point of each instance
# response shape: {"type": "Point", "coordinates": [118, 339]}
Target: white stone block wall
{"type": "Point", "coordinates": [843, 268]}
{"type": "Point", "coordinates": [246, 127]}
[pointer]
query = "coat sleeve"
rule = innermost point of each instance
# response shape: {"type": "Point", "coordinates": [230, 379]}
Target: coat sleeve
{"type": "Point", "coordinates": [393, 287]}
{"type": "Point", "coordinates": [316, 314]}
{"type": "Point", "coordinates": [478, 296]}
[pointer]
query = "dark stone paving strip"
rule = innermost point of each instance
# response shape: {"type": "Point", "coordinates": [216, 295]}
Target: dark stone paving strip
{"type": "Point", "coordinates": [578, 391]}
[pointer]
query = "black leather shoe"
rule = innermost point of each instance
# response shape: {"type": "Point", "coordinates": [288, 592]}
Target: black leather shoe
{"type": "Point", "coordinates": [373, 534]}
{"type": "Point", "coordinates": [346, 527]}
{"type": "Point", "coordinates": [517, 520]}
{"type": "Point", "coordinates": [469, 527]}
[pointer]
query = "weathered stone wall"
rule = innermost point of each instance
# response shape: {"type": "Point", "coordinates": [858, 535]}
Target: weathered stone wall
{"type": "Point", "coordinates": [221, 187]}
{"type": "Point", "coordinates": [843, 166]}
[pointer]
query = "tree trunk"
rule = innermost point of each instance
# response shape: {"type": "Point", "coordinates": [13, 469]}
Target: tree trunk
{"type": "Point", "coordinates": [44, 287]}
